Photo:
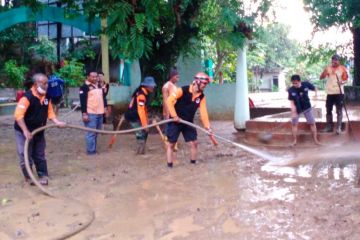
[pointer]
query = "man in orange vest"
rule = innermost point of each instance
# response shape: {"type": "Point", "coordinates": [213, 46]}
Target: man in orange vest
{"type": "Point", "coordinates": [137, 114]}
{"type": "Point", "coordinates": [32, 112]}
{"type": "Point", "coordinates": [184, 104]}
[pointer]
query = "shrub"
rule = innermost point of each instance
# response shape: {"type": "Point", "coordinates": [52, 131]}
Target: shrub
{"type": "Point", "coordinates": [72, 73]}
{"type": "Point", "coordinates": [45, 49]}
{"type": "Point", "coordinates": [15, 74]}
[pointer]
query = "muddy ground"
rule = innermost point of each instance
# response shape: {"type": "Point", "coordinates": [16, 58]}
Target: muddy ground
{"type": "Point", "coordinates": [229, 194]}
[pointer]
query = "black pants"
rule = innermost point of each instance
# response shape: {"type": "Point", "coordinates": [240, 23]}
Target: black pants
{"type": "Point", "coordinates": [37, 147]}
{"type": "Point", "coordinates": [334, 99]}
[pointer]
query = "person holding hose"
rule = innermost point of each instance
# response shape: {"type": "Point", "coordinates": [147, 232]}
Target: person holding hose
{"type": "Point", "coordinates": [137, 114]}
{"type": "Point", "coordinates": [183, 104]}
{"type": "Point", "coordinates": [336, 76]}
{"type": "Point", "coordinates": [32, 112]}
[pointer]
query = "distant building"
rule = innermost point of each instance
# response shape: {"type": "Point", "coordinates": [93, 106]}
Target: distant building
{"type": "Point", "coordinates": [269, 79]}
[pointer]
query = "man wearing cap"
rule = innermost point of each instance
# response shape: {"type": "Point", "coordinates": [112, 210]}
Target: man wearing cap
{"type": "Point", "coordinates": [184, 104]}
{"type": "Point", "coordinates": [336, 76]}
{"type": "Point", "coordinates": [32, 112]}
{"type": "Point", "coordinates": [137, 114]}
{"type": "Point", "coordinates": [93, 106]}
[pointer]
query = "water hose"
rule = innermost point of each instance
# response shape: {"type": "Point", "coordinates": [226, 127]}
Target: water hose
{"type": "Point", "coordinates": [46, 192]}
{"type": "Point", "coordinates": [72, 110]}
{"type": "Point", "coordinates": [92, 215]}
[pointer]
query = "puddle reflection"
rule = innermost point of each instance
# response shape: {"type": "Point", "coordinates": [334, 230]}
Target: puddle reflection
{"type": "Point", "coordinates": [335, 172]}
{"type": "Point", "coordinates": [270, 191]}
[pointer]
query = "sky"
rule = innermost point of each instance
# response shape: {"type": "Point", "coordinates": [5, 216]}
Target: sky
{"type": "Point", "coordinates": [292, 13]}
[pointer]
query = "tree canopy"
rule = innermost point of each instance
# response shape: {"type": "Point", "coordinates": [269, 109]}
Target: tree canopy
{"type": "Point", "coordinates": [157, 31]}
{"type": "Point", "coordinates": [343, 13]}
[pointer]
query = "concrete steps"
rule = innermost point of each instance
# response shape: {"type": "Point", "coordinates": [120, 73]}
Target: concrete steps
{"type": "Point", "coordinates": [280, 133]}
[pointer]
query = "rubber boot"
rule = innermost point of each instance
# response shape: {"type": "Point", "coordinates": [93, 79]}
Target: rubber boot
{"type": "Point", "coordinates": [141, 147]}
{"type": "Point", "coordinates": [339, 124]}
{"type": "Point", "coordinates": [329, 124]}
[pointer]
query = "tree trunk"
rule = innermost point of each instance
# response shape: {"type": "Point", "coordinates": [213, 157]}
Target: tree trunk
{"type": "Point", "coordinates": [158, 57]}
{"type": "Point", "coordinates": [220, 58]}
{"type": "Point", "coordinates": [165, 52]}
{"type": "Point", "coordinates": [356, 35]}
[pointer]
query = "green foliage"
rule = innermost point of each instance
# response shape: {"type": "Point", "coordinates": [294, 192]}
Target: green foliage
{"type": "Point", "coordinates": [131, 27]}
{"type": "Point", "coordinates": [311, 62]}
{"type": "Point", "coordinates": [157, 31]}
{"type": "Point", "coordinates": [83, 50]}
{"type": "Point", "coordinates": [153, 31]}
{"type": "Point", "coordinates": [276, 47]}
{"type": "Point", "coordinates": [225, 26]}
{"type": "Point", "coordinates": [334, 13]}
{"type": "Point", "coordinates": [157, 99]}
{"type": "Point", "coordinates": [45, 50]}
{"type": "Point", "coordinates": [15, 74]}
{"type": "Point", "coordinates": [15, 42]}
{"type": "Point", "coordinates": [343, 13]}
{"type": "Point", "coordinates": [271, 49]}
{"type": "Point", "coordinates": [72, 73]}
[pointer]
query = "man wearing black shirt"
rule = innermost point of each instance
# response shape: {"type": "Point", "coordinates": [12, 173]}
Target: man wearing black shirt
{"type": "Point", "coordinates": [300, 103]}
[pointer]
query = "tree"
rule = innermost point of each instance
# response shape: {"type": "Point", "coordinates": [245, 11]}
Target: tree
{"type": "Point", "coordinates": [157, 31]}
{"type": "Point", "coordinates": [311, 62]}
{"type": "Point", "coordinates": [225, 27]}
{"type": "Point", "coordinates": [45, 50]}
{"type": "Point", "coordinates": [343, 13]}
{"type": "Point", "coordinates": [15, 41]}
{"type": "Point", "coordinates": [15, 74]}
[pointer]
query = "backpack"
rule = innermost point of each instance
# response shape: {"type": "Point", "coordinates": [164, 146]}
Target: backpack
{"type": "Point", "coordinates": [55, 87]}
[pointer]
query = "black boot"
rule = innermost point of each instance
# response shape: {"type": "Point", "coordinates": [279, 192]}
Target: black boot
{"type": "Point", "coordinates": [329, 124]}
{"type": "Point", "coordinates": [339, 124]}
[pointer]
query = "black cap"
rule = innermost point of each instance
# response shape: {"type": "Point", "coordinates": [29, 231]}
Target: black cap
{"type": "Point", "coordinates": [335, 57]}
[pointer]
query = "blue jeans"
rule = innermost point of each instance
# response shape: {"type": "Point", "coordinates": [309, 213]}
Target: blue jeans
{"type": "Point", "coordinates": [95, 122]}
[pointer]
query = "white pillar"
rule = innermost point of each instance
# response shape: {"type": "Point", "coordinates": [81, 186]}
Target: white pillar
{"type": "Point", "coordinates": [242, 112]}
{"type": "Point", "coordinates": [105, 51]}
{"type": "Point", "coordinates": [121, 70]}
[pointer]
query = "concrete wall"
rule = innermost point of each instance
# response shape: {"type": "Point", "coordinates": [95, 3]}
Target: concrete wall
{"type": "Point", "coordinates": [7, 108]}
{"type": "Point", "coordinates": [7, 95]}
{"type": "Point", "coordinates": [220, 101]}
{"type": "Point", "coordinates": [266, 82]}
{"type": "Point", "coordinates": [187, 68]}
{"type": "Point", "coordinates": [352, 94]}
{"type": "Point", "coordinates": [119, 94]}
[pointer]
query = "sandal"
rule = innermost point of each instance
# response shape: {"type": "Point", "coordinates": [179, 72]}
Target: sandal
{"type": "Point", "coordinates": [29, 181]}
{"type": "Point", "coordinates": [44, 181]}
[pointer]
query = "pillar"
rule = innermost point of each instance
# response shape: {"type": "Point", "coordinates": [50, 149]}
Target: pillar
{"type": "Point", "coordinates": [242, 111]}
{"type": "Point", "coordinates": [105, 51]}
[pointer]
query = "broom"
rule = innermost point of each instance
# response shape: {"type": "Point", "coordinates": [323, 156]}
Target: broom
{"type": "Point", "coordinates": [163, 138]}
{"type": "Point", "coordinates": [113, 137]}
